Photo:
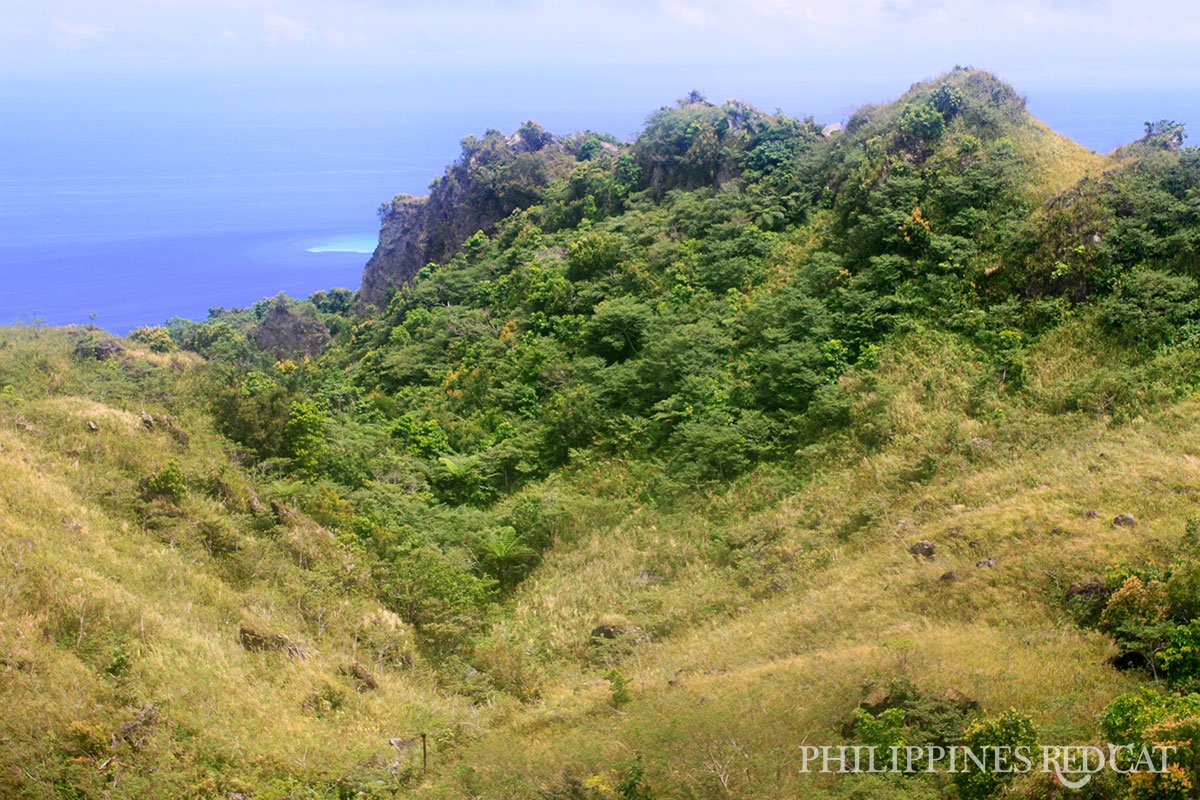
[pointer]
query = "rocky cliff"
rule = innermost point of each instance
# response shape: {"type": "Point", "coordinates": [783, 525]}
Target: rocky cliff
{"type": "Point", "coordinates": [495, 176]}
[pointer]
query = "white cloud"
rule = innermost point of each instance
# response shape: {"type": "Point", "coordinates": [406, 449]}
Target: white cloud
{"type": "Point", "coordinates": [872, 37]}
{"type": "Point", "coordinates": [281, 30]}
{"type": "Point", "coordinates": [74, 35]}
{"type": "Point", "coordinates": [278, 29]}
{"type": "Point", "coordinates": [687, 14]}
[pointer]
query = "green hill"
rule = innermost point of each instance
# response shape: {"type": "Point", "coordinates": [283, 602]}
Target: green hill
{"type": "Point", "coordinates": [634, 467]}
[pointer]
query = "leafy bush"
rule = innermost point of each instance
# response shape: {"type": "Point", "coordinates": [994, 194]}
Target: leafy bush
{"type": "Point", "coordinates": [440, 596]}
{"type": "Point", "coordinates": [1009, 730]}
{"type": "Point", "coordinates": [168, 482]}
{"type": "Point", "coordinates": [921, 124]}
{"type": "Point", "coordinates": [1178, 660]}
{"type": "Point", "coordinates": [1149, 307]}
{"type": "Point", "coordinates": [1154, 618]}
{"type": "Point", "coordinates": [421, 438]}
{"type": "Point", "coordinates": [593, 255]}
{"type": "Point", "coordinates": [618, 689]}
{"type": "Point", "coordinates": [304, 435]}
{"type": "Point", "coordinates": [883, 732]}
{"type": "Point", "coordinates": [157, 339]}
{"type": "Point", "coordinates": [909, 716]}
{"type": "Point", "coordinates": [1148, 718]}
{"type": "Point", "coordinates": [618, 328]}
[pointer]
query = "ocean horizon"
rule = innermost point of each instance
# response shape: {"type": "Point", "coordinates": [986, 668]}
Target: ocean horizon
{"type": "Point", "coordinates": [119, 218]}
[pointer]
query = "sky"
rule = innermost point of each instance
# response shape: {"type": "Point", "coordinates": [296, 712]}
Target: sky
{"type": "Point", "coordinates": [556, 57]}
{"type": "Point", "coordinates": [1099, 44]}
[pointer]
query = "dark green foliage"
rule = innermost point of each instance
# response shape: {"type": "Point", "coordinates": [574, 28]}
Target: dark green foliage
{"type": "Point", "coordinates": [1154, 616]}
{"type": "Point", "coordinates": [947, 100]}
{"type": "Point", "coordinates": [1150, 307]}
{"type": "Point", "coordinates": [618, 328]}
{"type": "Point", "coordinates": [254, 412]}
{"type": "Point", "coordinates": [908, 716]}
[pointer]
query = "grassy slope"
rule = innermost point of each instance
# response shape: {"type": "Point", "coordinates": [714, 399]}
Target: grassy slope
{"type": "Point", "coordinates": [728, 681]}
{"type": "Point", "coordinates": [93, 579]}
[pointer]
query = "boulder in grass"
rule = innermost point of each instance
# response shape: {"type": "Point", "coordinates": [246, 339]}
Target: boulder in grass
{"type": "Point", "coordinates": [257, 641]}
{"type": "Point", "coordinates": [923, 549]}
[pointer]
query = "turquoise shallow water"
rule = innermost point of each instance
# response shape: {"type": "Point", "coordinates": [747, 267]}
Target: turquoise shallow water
{"type": "Point", "coordinates": [346, 243]}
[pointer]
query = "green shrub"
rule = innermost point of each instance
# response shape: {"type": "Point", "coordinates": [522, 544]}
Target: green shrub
{"type": "Point", "coordinates": [1009, 730]}
{"type": "Point", "coordinates": [592, 255]}
{"type": "Point", "coordinates": [304, 435]}
{"type": "Point", "coordinates": [618, 689]}
{"type": "Point", "coordinates": [1178, 660]}
{"type": "Point", "coordinates": [424, 438]}
{"type": "Point", "coordinates": [167, 483]}
{"type": "Point", "coordinates": [947, 99]}
{"type": "Point", "coordinates": [921, 123]}
{"type": "Point", "coordinates": [438, 595]}
{"type": "Point", "coordinates": [618, 328]}
{"type": "Point", "coordinates": [883, 731]}
{"type": "Point", "coordinates": [1149, 307]}
{"type": "Point", "coordinates": [157, 339]}
{"type": "Point", "coordinates": [909, 716]}
{"type": "Point", "coordinates": [1148, 718]}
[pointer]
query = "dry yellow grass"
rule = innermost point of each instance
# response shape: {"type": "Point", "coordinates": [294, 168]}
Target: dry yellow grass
{"type": "Point", "coordinates": [721, 678]}
{"type": "Point", "coordinates": [1054, 163]}
{"type": "Point", "coordinates": [747, 623]}
{"type": "Point", "coordinates": [103, 613]}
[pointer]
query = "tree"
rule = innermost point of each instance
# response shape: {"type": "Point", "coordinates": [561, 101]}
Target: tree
{"type": "Point", "coordinates": [1166, 134]}
{"type": "Point", "coordinates": [304, 435]}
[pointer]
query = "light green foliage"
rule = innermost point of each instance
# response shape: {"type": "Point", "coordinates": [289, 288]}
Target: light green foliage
{"type": "Point", "coordinates": [1008, 730]}
{"type": "Point", "coordinates": [592, 255]}
{"type": "Point", "coordinates": [883, 732]}
{"type": "Point", "coordinates": [168, 482]}
{"type": "Point", "coordinates": [157, 338]}
{"type": "Point", "coordinates": [422, 438]}
{"type": "Point", "coordinates": [304, 434]}
{"type": "Point", "coordinates": [618, 689]}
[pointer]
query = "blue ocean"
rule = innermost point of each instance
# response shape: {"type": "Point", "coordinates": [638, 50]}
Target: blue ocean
{"type": "Point", "coordinates": [128, 208]}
